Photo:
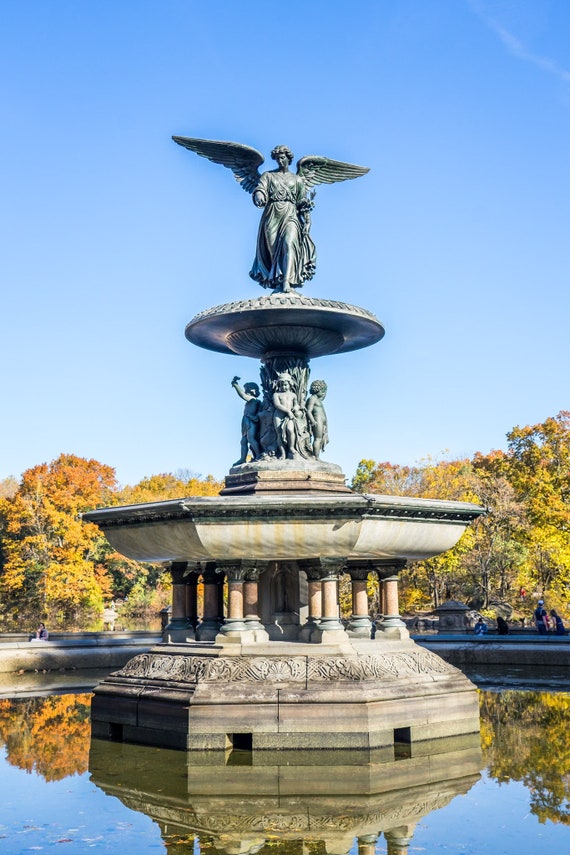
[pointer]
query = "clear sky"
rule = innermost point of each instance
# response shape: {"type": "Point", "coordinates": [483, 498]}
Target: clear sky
{"type": "Point", "coordinates": [113, 237]}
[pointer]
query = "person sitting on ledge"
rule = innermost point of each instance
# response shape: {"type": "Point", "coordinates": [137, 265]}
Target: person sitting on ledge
{"type": "Point", "coordinates": [502, 626]}
{"type": "Point", "coordinates": [41, 633]}
{"type": "Point", "coordinates": [480, 627]}
{"type": "Point", "coordinates": [559, 628]}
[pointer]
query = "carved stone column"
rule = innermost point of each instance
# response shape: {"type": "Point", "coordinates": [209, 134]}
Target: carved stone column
{"type": "Point", "coordinates": [391, 625]}
{"type": "Point", "coordinates": [213, 616]}
{"type": "Point", "coordinates": [191, 578]}
{"type": "Point", "coordinates": [234, 627]}
{"type": "Point", "coordinates": [312, 569]}
{"type": "Point", "coordinates": [252, 572]}
{"type": "Point", "coordinates": [177, 629]}
{"type": "Point", "coordinates": [330, 627]}
{"type": "Point", "coordinates": [399, 839]}
{"type": "Point", "coordinates": [360, 625]}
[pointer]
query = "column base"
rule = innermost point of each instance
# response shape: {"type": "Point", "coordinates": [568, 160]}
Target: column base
{"type": "Point", "coordinates": [178, 631]}
{"type": "Point", "coordinates": [359, 626]}
{"type": "Point", "coordinates": [392, 626]}
{"type": "Point", "coordinates": [253, 624]}
{"type": "Point", "coordinates": [308, 629]}
{"type": "Point", "coordinates": [208, 629]}
{"type": "Point", "coordinates": [235, 631]}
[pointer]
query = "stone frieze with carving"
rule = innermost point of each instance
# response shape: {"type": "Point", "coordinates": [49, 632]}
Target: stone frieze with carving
{"type": "Point", "coordinates": [274, 669]}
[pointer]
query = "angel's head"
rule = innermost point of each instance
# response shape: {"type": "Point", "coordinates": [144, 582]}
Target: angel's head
{"type": "Point", "coordinates": [282, 150]}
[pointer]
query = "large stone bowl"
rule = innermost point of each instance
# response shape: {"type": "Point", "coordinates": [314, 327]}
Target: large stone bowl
{"type": "Point", "coordinates": [280, 528]}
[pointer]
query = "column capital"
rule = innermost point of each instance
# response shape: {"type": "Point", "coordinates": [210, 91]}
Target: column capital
{"type": "Point", "coordinates": [212, 574]}
{"type": "Point", "coordinates": [177, 571]}
{"type": "Point", "coordinates": [235, 572]}
{"type": "Point", "coordinates": [323, 568]}
{"type": "Point", "coordinates": [358, 572]}
{"type": "Point", "coordinates": [389, 567]}
{"type": "Point", "coordinates": [193, 570]}
{"type": "Point", "coordinates": [252, 570]}
{"type": "Point", "coordinates": [311, 567]}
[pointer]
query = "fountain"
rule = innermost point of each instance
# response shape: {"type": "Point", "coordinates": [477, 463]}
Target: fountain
{"type": "Point", "coordinates": [278, 669]}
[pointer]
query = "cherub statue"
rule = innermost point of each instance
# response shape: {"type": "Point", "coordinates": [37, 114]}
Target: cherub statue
{"type": "Point", "coordinates": [250, 420]}
{"type": "Point", "coordinates": [317, 416]}
{"type": "Point", "coordinates": [285, 256]}
{"type": "Point", "coordinates": [289, 421]}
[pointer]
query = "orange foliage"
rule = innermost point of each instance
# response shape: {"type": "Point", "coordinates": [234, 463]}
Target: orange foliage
{"type": "Point", "coordinates": [49, 736]}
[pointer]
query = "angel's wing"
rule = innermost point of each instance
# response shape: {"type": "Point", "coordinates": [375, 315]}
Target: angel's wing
{"type": "Point", "coordinates": [241, 159]}
{"type": "Point", "coordinates": [315, 169]}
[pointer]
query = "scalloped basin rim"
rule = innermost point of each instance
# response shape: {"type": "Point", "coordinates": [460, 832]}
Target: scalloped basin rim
{"type": "Point", "coordinates": [283, 528]}
{"type": "Point", "coordinates": [356, 503]}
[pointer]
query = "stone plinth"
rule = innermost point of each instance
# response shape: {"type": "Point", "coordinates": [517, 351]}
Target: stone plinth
{"type": "Point", "coordinates": [353, 694]}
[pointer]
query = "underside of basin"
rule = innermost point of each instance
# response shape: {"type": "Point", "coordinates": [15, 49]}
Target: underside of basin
{"type": "Point", "coordinates": [276, 668]}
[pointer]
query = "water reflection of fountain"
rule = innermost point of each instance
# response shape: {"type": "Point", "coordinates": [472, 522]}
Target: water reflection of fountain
{"type": "Point", "coordinates": [318, 803]}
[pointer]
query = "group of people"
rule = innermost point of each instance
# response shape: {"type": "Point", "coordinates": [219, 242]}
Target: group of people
{"type": "Point", "coordinates": [544, 623]}
{"type": "Point", "coordinates": [481, 627]}
{"type": "Point", "coordinates": [548, 622]}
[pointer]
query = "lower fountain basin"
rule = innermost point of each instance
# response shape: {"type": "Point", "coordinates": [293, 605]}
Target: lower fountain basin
{"type": "Point", "coordinates": [277, 528]}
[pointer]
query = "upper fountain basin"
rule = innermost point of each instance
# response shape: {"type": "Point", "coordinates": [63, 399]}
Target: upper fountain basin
{"type": "Point", "coordinates": [281, 528]}
{"type": "Point", "coordinates": [284, 323]}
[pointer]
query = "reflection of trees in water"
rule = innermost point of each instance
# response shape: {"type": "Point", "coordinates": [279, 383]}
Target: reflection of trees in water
{"type": "Point", "coordinates": [49, 736]}
{"type": "Point", "coordinates": [525, 738]}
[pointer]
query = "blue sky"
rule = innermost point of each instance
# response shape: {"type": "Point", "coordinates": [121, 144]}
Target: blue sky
{"type": "Point", "coordinates": [114, 237]}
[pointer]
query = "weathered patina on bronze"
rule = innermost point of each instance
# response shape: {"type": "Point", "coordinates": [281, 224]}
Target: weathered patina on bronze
{"type": "Point", "coordinates": [285, 257]}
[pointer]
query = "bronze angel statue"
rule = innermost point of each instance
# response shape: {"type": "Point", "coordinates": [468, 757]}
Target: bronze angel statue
{"type": "Point", "coordinates": [285, 256]}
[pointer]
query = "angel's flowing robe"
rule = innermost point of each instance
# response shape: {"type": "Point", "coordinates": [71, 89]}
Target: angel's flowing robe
{"type": "Point", "coordinates": [283, 246]}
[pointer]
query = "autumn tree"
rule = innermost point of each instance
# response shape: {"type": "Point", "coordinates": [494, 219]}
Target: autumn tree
{"type": "Point", "coordinates": [429, 581]}
{"type": "Point", "coordinates": [54, 564]}
{"type": "Point", "coordinates": [48, 553]}
{"type": "Point", "coordinates": [537, 467]}
{"type": "Point", "coordinates": [145, 585]}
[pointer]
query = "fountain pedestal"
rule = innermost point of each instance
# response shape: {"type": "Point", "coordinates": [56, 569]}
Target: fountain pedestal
{"type": "Point", "coordinates": [283, 671]}
{"type": "Point", "coordinates": [349, 694]}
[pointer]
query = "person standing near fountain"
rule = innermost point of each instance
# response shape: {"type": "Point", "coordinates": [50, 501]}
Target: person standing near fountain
{"type": "Point", "coordinates": [541, 618]}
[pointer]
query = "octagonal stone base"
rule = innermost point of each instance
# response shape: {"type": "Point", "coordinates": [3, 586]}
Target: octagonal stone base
{"type": "Point", "coordinates": [360, 694]}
